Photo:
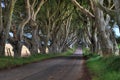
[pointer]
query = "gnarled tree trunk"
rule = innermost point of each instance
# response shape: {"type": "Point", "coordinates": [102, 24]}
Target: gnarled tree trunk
{"type": "Point", "coordinates": [34, 12]}
{"type": "Point", "coordinates": [105, 42]}
{"type": "Point", "coordinates": [19, 39]}
{"type": "Point", "coordinates": [5, 23]}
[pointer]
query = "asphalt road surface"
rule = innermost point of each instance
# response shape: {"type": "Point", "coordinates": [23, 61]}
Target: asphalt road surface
{"type": "Point", "coordinates": [69, 68]}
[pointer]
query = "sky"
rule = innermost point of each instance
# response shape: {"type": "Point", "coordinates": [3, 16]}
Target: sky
{"type": "Point", "coordinates": [2, 4]}
{"type": "Point", "coordinates": [116, 30]}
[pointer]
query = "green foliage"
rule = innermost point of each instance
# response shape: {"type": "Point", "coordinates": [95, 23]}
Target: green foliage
{"type": "Point", "coordinates": [9, 62]}
{"type": "Point", "coordinates": [69, 52]}
{"type": "Point", "coordinates": [19, 9]}
{"type": "Point", "coordinates": [104, 68]}
{"type": "Point", "coordinates": [86, 50]}
{"type": "Point", "coordinates": [119, 46]}
{"type": "Point", "coordinates": [113, 63]}
{"type": "Point", "coordinates": [87, 53]}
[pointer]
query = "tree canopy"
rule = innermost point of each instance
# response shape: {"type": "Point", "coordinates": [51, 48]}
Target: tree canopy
{"type": "Point", "coordinates": [58, 25]}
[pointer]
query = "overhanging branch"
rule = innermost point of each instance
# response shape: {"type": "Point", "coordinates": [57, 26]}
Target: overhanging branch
{"type": "Point", "coordinates": [83, 10]}
{"type": "Point", "coordinates": [106, 10]}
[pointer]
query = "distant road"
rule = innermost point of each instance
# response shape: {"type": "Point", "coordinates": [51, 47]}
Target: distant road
{"type": "Point", "coordinates": [69, 68]}
{"type": "Point", "coordinates": [78, 51]}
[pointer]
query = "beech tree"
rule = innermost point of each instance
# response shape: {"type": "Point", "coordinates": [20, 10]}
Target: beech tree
{"type": "Point", "coordinates": [27, 18]}
{"type": "Point", "coordinates": [59, 25]}
{"type": "Point", "coordinates": [111, 40]}
{"type": "Point", "coordinates": [55, 25]}
{"type": "Point", "coordinates": [102, 40]}
{"type": "Point", "coordinates": [6, 11]}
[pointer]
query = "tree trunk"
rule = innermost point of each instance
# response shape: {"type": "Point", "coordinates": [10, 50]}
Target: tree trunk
{"type": "Point", "coordinates": [42, 49]}
{"type": "Point", "coordinates": [33, 24]}
{"type": "Point", "coordinates": [1, 33]}
{"type": "Point", "coordinates": [117, 13]}
{"type": "Point", "coordinates": [107, 48]}
{"type": "Point", "coordinates": [2, 46]}
{"type": "Point", "coordinates": [7, 24]}
{"type": "Point", "coordinates": [19, 40]}
{"type": "Point", "coordinates": [35, 41]}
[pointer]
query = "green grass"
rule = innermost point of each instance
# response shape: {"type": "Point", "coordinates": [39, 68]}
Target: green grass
{"type": "Point", "coordinates": [104, 68]}
{"type": "Point", "coordinates": [119, 45]}
{"type": "Point", "coordinates": [9, 62]}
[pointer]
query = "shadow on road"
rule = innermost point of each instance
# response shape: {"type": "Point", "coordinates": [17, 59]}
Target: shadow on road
{"type": "Point", "coordinates": [75, 56]}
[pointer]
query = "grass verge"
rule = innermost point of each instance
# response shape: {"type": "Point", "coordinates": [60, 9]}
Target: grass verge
{"type": "Point", "coordinates": [104, 68]}
{"type": "Point", "coordinates": [10, 62]}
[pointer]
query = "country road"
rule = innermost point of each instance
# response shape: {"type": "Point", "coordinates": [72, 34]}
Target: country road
{"type": "Point", "coordinates": [69, 68]}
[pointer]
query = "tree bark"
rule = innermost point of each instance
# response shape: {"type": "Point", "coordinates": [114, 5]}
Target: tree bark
{"type": "Point", "coordinates": [83, 10]}
{"type": "Point", "coordinates": [105, 42]}
{"type": "Point", "coordinates": [7, 24]}
{"type": "Point", "coordinates": [33, 24]}
{"type": "Point", "coordinates": [19, 41]}
{"type": "Point", "coordinates": [117, 11]}
{"type": "Point", "coordinates": [1, 32]}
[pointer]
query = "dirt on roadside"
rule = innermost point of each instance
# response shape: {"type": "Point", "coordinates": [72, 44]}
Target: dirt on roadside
{"type": "Point", "coordinates": [85, 72]}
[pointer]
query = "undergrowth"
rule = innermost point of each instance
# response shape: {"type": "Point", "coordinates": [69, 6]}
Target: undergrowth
{"type": "Point", "coordinates": [104, 68]}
